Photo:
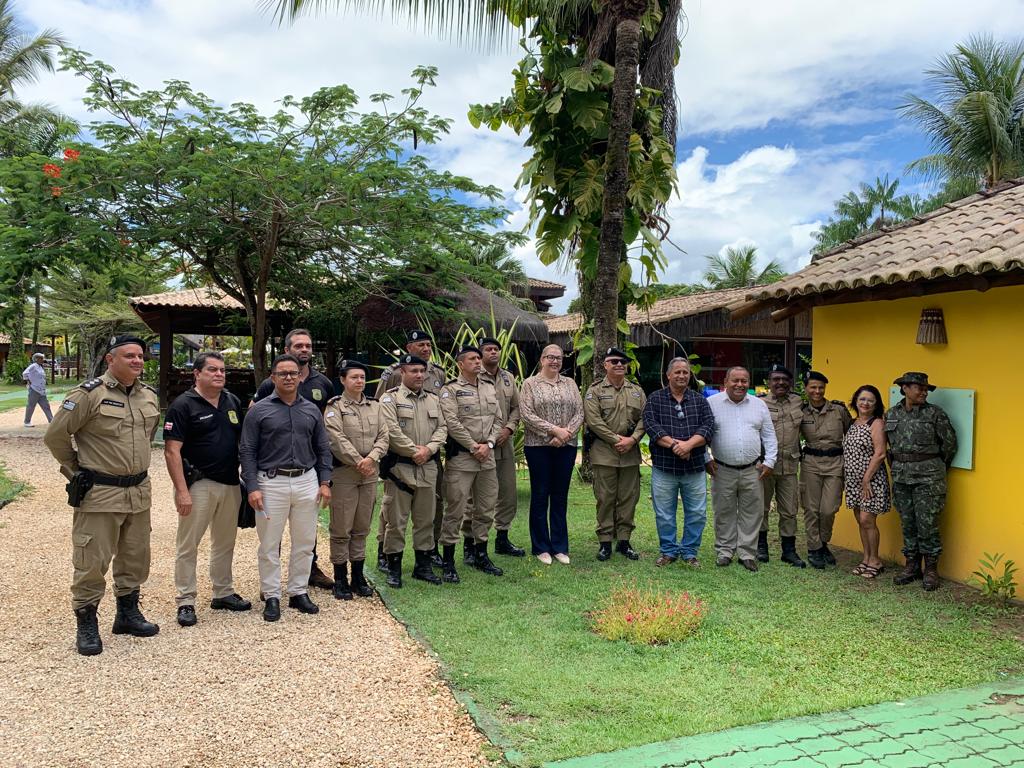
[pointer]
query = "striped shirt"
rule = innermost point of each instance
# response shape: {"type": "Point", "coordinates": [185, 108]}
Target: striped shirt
{"type": "Point", "coordinates": [743, 431]}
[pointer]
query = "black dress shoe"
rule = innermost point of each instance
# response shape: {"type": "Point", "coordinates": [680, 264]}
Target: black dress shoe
{"type": "Point", "coordinates": [604, 551]}
{"type": "Point", "coordinates": [624, 548]}
{"type": "Point", "coordinates": [187, 615]}
{"type": "Point", "coordinates": [233, 602]}
{"type": "Point", "coordinates": [303, 604]}
{"type": "Point", "coordinates": [272, 609]}
{"type": "Point", "coordinates": [750, 565]}
{"type": "Point", "coordinates": [816, 559]}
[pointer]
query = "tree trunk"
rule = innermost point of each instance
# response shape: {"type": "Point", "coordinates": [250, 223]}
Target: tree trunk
{"type": "Point", "coordinates": [585, 470]}
{"type": "Point", "coordinates": [620, 128]}
{"type": "Point", "coordinates": [35, 323]}
{"type": "Point", "coordinates": [18, 324]}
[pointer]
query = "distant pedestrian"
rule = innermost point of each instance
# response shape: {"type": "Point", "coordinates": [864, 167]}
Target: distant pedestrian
{"type": "Point", "coordinates": [35, 378]}
{"type": "Point", "coordinates": [866, 480]}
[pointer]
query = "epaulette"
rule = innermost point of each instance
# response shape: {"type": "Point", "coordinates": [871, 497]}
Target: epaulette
{"type": "Point", "coordinates": [450, 382]}
{"type": "Point", "coordinates": [91, 384]}
{"type": "Point", "coordinates": [393, 389]}
{"type": "Point", "coordinates": [149, 387]}
{"type": "Point", "coordinates": [839, 402]}
{"type": "Point", "coordinates": [334, 399]}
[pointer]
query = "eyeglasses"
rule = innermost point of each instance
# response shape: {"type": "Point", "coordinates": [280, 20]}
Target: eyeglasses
{"type": "Point", "coordinates": [552, 357]}
{"type": "Point", "coordinates": [287, 374]}
{"type": "Point", "coordinates": [616, 362]}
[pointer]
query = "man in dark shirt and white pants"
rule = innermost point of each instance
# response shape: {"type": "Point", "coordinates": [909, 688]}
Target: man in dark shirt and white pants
{"type": "Point", "coordinates": [286, 464]}
{"type": "Point", "coordinates": [201, 429]}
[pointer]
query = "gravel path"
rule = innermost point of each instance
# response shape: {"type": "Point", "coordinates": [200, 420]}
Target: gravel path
{"type": "Point", "coordinates": [345, 688]}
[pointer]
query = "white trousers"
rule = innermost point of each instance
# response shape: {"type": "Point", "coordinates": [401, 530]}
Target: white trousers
{"type": "Point", "coordinates": [291, 501]}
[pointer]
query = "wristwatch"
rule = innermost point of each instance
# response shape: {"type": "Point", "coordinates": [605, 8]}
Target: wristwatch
{"type": "Point", "coordinates": [490, 444]}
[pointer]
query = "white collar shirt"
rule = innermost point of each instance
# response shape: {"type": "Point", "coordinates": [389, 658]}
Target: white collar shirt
{"type": "Point", "coordinates": [743, 431]}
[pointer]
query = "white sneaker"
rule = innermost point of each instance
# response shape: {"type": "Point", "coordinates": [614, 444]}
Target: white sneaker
{"type": "Point", "coordinates": [545, 558]}
{"type": "Point", "coordinates": [28, 426]}
{"type": "Point", "coordinates": [562, 558]}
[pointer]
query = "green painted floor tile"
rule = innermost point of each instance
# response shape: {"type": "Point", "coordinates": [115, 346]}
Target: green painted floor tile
{"type": "Point", "coordinates": [984, 743]}
{"type": "Point", "coordinates": [1000, 723]}
{"type": "Point", "coordinates": [1005, 755]}
{"type": "Point", "coordinates": [911, 759]}
{"type": "Point", "coordinates": [974, 761]}
{"type": "Point", "coordinates": [861, 736]}
{"type": "Point", "coordinates": [946, 751]}
{"type": "Point", "coordinates": [842, 758]}
{"type": "Point", "coordinates": [818, 744]}
{"type": "Point", "coordinates": [925, 739]}
{"type": "Point", "coordinates": [882, 748]}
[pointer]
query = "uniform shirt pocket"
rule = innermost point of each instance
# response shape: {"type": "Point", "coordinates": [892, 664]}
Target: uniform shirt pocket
{"type": "Point", "coordinates": [150, 413]}
{"type": "Point", "coordinates": [81, 543]}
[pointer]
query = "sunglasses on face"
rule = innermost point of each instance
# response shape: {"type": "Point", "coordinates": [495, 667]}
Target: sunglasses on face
{"type": "Point", "coordinates": [616, 361]}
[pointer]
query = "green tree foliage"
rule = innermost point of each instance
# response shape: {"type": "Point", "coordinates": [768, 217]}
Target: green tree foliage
{"type": "Point", "coordinates": [975, 122]}
{"type": "Point", "coordinates": [737, 268]}
{"type": "Point", "coordinates": [868, 209]}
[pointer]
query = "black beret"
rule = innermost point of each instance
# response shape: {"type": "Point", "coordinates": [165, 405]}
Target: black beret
{"type": "Point", "coordinates": [352, 365]}
{"type": "Point", "coordinates": [417, 335]}
{"type": "Point", "coordinates": [466, 350]}
{"type": "Point", "coordinates": [412, 360]}
{"type": "Point", "coordinates": [780, 368]}
{"type": "Point", "coordinates": [815, 376]}
{"type": "Point", "coordinates": [120, 341]}
{"type": "Point", "coordinates": [489, 340]}
{"type": "Point", "coordinates": [615, 352]}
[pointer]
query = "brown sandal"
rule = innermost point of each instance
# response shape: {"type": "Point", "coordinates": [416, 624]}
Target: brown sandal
{"type": "Point", "coordinates": [871, 572]}
{"type": "Point", "coordinates": [859, 569]}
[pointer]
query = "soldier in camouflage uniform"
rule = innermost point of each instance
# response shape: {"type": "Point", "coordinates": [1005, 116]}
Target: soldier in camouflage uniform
{"type": "Point", "coordinates": [922, 444]}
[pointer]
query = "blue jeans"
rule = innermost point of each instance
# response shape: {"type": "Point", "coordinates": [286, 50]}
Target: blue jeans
{"type": "Point", "coordinates": [550, 475]}
{"type": "Point", "coordinates": [666, 489]}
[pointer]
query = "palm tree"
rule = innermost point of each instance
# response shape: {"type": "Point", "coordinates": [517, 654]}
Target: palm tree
{"type": "Point", "coordinates": [976, 123]}
{"type": "Point", "coordinates": [874, 207]}
{"type": "Point", "coordinates": [737, 268]}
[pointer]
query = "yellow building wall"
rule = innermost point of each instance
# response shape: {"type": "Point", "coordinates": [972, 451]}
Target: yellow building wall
{"type": "Point", "coordinates": [874, 342]}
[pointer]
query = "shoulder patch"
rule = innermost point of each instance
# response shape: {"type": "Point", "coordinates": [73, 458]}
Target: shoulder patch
{"type": "Point", "coordinates": [69, 405]}
{"type": "Point", "coordinates": [590, 395]}
{"type": "Point", "coordinates": [385, 399]}
{"type": "Point", "coordinates": [444, 395]}
{"type": "Point", "coordinates": [91, 384]}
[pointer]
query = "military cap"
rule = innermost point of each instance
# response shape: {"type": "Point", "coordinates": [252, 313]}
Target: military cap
{"type": "Point", "coordinates": [417, 335]}
{"type": "Point", "coordinates": [120, 341]}
{"type": "Point", "coordinates": [489, 340]}
{"type": "Point", "coordinates": [466, 350]}
{"type": "Point", "coordinates": [412, 360]}
{"type": "Point", "coordinates": [815, 376]}
{"type": "Point", "coordinates": [780, 368]}
{"type": "Point", "coordinates": [615, 352]}
{"type": "Point", "coordinates": [915, 377]}
{"type": "Point", "coordinates": [351, 365]}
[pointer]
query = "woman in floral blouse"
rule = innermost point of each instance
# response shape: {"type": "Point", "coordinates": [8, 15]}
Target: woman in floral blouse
{"type": "Point", "coordinates": [552, 410]}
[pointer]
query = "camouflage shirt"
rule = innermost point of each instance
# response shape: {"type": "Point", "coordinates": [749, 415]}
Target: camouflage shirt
{"type": "Point", "coordinates": [923, 429]}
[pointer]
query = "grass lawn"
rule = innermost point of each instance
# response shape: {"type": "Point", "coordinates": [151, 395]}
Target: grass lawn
{"type": "Point", "coordinates": [775, 644]}
{"type": "Point", "coordinates": [9, 489]}
{"type": "Point", "coordinates": [14, 396]}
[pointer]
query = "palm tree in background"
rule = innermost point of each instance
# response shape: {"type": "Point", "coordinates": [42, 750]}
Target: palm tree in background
{"type": "Point", "coordinates": [870, 209]}
{"type": "Point", "coordinates": [976, 122]}
{"type": "Point", "coordinates": [737, 268]}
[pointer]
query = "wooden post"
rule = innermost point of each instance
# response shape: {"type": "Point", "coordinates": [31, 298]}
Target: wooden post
{"type": "Point", "coordinates": [53, 358]}
{"type": "Point", "coordinates": [166, 355]}
{"type": "Point", "coordinates": [791, 345]}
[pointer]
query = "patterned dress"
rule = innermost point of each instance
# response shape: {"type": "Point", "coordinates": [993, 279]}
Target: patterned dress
{"type": "Point", "coordinates": [858, 448]}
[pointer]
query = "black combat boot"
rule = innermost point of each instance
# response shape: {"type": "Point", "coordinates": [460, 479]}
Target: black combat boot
{"type": "Point", "coordinates": [468, 550]}
{"type": "Point", "coordinates": [826, 553]}
{"type": "Point", "coordinates": [503, 546]}
{"type": "Point", "coordinates": [625, 549]}
{"type": "Point", "coordinates": [817, 559]}
{"type": "Point", "coordinates": [604, 551]}
{"type": "Point", "coordinates": [359, 585]}
{"type": "Point", "coordinates": [448, 572]}
{"type": "Point", "coordinates": [423, 570]}
{"type": "Point", "coordinates": [87, 640]}
{"type": "Point", "coordinates": [382, 559]}
{"type": "Point", "coordinates": [435, 557]}
{"type": "Point", "coordinates": [911, 571]}
{"type": "Point", "coordinates": [762, 547]}
{"type": "Point", "coordinates": [341, 589]}
{"type": "Point", "coordinates": [789, 554]}
{"type": "Point", "coordinates": [930, 580]}
{"type": "Point", "coordinates": [394, 579]}
{"type": "Point", "coordinates": [483, 562]}
{"type": "Point", "coordinates": [129, 619]}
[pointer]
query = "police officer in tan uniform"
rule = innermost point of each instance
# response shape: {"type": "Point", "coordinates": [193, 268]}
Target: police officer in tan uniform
{"type": "Point", "coordinates": [417, 344]}
{"type": "Point", "coordinates": [416, 432]}
{"type": "Point", "coordinates": [821, 469]}
{"type": "Point", "coordinates": [613, 412]}
{"type": "Point", "coordinates": [359, 440]}
{"type": "Point", "coordinates": [474, 419]}
{"type": "Point", "coordinates": [113, 419]}
{"type": "Point", "coordinates": [787, 413]}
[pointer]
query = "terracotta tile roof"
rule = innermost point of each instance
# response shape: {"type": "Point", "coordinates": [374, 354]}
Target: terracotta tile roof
{"type": "Point", "coordinates": [534, 282]}
{"type": "Point", "coordinates": [662, 311]}
{"type": "Point", "coordinates": [5, 339]}
{"type": "Point", "coordinates": [980, 234]}
{"type": "Point", "coordinates": [191, 297]}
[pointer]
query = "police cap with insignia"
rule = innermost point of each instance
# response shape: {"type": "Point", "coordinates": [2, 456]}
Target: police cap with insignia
{"type": "Point", "coordinates": [416, 335]}
{"type": "Point", "coordinates": [914, 377]}
{"type": "Point", "coordinates": [120, 341]}
{"type": "Point", "coordinates": [412, 360]}
{"type": "Point", "coordinates": [614, 352]}
{"type": "Point", "coordinates": [352, 365]}
{"type": "Point", "coordinates": [489, 340]}
{"type": "Point", "coordinates": [815, 376]}
{"type": "Point", "coordinates": [466, 350]}
{"type": "Point", "coordinates": [780, 368]}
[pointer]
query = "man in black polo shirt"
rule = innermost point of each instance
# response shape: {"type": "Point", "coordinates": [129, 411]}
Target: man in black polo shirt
{"type": "Point", "coordinates": [316, 388]}
{"type": "Point", "coordinates": [201, 432]}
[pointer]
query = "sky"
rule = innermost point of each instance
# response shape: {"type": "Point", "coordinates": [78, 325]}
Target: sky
{"type": "Point", "coordinates": [784, 106]}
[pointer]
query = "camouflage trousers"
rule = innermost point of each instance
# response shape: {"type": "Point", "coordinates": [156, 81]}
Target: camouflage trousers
{"type": "Point", "coordinates": [920, 506]}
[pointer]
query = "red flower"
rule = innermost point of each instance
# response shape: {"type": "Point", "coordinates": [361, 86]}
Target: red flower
{"type": "Point", "coordinates": [56, 191]}
{"type": "Point", "coordinates": [51, 170]}
{"type": "Point", "coordinates": [71, 154]}
{"type": "Point", "coordinates": [629, 618]}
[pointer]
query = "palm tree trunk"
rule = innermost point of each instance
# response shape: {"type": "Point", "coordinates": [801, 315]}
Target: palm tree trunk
{"type": "Point", "coordinates": [35, 323]}
{"type": "Point", "coordinates": [620, 128]}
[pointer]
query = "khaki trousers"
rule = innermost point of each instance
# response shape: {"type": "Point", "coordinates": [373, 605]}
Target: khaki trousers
{"type": "Point", "coordinates": [214, 506]}
{"type": "Point", "coordinates": [617, 490]}
{"type": "Point", "coordinates": [821, 496]}
{"type": "Point", "coordinates": [737, 498]}
{"type": "Point", "coordinates": [287, 501]}
{"type": "Point", "coordinates": [420, 507]}
{"type": "Point", "coordinates": [508, 494]}
{"type": "Point", "coordinates": [786, 491]}
{"type": "Point", "coordinates": [470, 496]}
{"type": "Point", "coordinates": [98, 538]}
{"type": "Point", "coordinates": [351, 510]}
{"type": "Point", "coordinates": [385, 503]}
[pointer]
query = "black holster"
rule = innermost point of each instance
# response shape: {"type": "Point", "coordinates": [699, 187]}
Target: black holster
{"type": "Point", "coordinates": [387, 464]}
{"type": "Point", "coordinates": [81, 482]}
{"type": "Point", "coordinates": [192, 473]}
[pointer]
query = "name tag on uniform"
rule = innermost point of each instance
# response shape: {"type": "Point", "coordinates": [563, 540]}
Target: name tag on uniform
{"type": "Point", "coordinates": [232, 417]}
{"type": "Point", "coordinates": [118, 403]}
{"type": "Point", "coordinates": [205, 417]}
{"type": "Point", "coordinates": [403, 405]}
{"type": "Point", "coordinates": [604, 397]}
{"type": "Point", "coordinates": [464, 393]}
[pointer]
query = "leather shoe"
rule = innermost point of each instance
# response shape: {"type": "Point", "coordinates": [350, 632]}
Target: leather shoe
{"type": "Point", "coordinates": [233, 602]}
{"type": "Point", "coordinates": [319, 579]}
{"type": "Point", "coordinates": [303, 604]}
{"type": "Point", "coordinates": [187, 615]}
{"type": "Point", "coordinates": [723, 561]}
{"type": "Point", "coordinates": [693, 562]}
{"type": "Point", "coordinates": [604, 551]}
{"type": "Point", "coordinates": [624, 548]}
{"type": "Point", "coordinates": [750, 565]}
{"type": "Point", "coordinates": [664, 560]}
{"type": "Point", "coordinates": [272, 609]}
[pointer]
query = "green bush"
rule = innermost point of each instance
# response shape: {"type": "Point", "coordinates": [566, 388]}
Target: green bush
{"type": "Point", "coordinates": [16, 363]}
{"type": "Point", "coordinates": [1000, 588]}
{"type": "Point", "coordinates": [648, 616]}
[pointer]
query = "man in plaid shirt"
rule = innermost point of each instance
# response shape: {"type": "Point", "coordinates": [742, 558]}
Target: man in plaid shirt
{"type": "Point", "coordinates": [679, 424]}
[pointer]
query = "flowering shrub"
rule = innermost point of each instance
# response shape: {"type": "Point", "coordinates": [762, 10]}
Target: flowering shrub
{"type": "Point", "coordinates": [51, 170]}
{"type": "Point", "coordinates": [71, 154]}
{"type": "Point", "coordinates": [648, 616]}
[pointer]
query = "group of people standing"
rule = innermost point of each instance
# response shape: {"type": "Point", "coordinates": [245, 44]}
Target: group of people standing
{"type": "Point", "coordinates": [300, 447]}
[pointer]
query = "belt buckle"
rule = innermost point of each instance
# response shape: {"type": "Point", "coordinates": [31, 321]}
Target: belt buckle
{"type": "Point", "coordinates": [271, 474]}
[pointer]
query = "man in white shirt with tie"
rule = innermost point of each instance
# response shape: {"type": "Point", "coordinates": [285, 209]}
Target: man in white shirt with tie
{"type": "Point", "coordinates": [744, 449]}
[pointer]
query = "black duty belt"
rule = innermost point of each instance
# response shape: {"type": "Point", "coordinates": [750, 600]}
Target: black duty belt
{"type": "Point", "coordinates": [738, 466]}
{"type": "Point", "coordinates": [910, 457]}
{"type": "Point", "coordinates": [288, 471]}
{"type": "Point", "coordinates": [121, 481]}
{"type": "Point", "coordinates": [822, 451]}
